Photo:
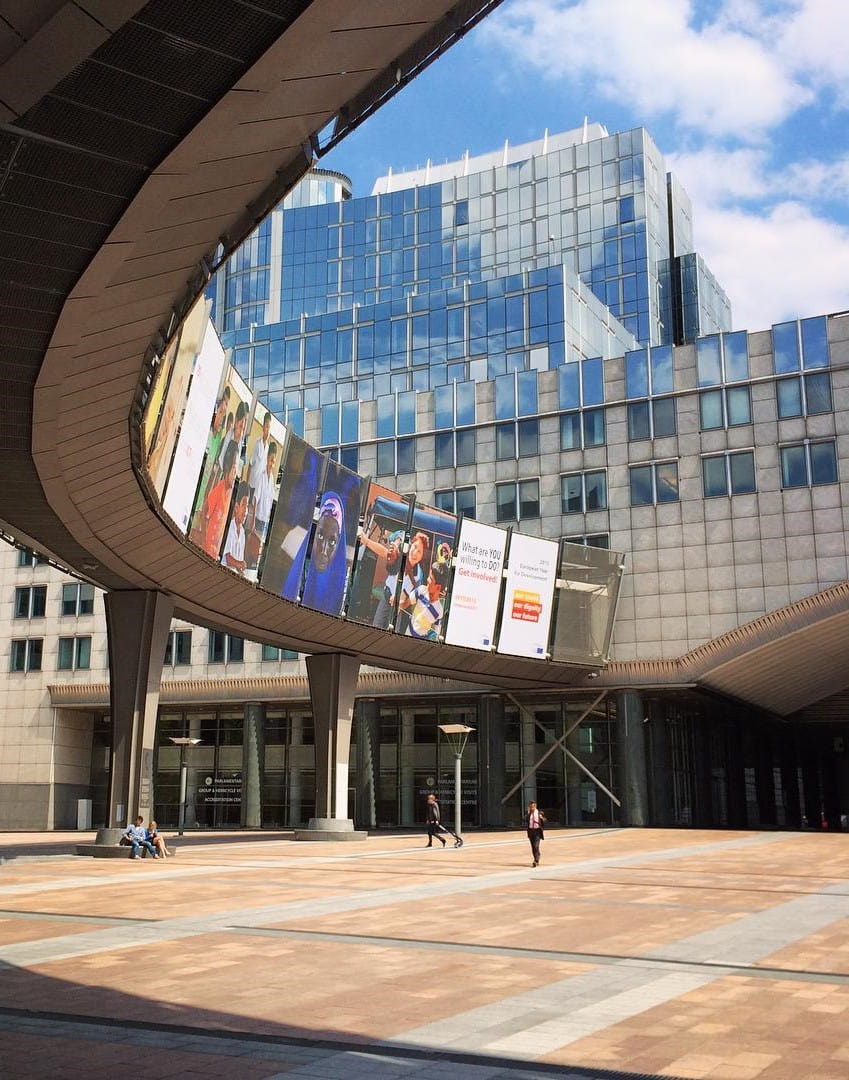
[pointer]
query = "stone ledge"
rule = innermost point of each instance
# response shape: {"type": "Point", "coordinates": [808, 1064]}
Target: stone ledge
{"type": "Point", "coordinates": [104, 851]}
{"type": "Point", "coordinates": [329, 834]}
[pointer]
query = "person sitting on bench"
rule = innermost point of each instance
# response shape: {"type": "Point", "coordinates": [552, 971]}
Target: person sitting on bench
{"type": "Point", "coordinates": [136, 837]}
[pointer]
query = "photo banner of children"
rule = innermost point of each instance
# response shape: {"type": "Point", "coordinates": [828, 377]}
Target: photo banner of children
{"type": "Point", "coordinates": [425, 573]}
{"type": "Point", "coordinates": [330, 552]}
{"type": "Point", "coordinates": [223, 463]}
{"type": "Point", "coordinates": [375, 577]}
{"type": "Point", "coordinates": [185, 471]}
{"type": "Point", "coordinates": [260, 481]}
{"type": "Point", "coordinates": [301, 480]}
{"type": "Point", "coordinates": [173, 398]}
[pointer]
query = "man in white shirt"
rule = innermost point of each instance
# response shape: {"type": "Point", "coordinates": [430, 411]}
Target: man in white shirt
{"type": "Point", "coordinates": [233, 555]}
{"type": "Point", "coordinates": [264, 491]}
{"type": "Point", "coordinates": [534, 820]}
{"type": "Point", "coordinates": [259, 454]}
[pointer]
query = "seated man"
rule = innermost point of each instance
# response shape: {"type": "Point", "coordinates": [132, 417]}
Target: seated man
{"type": "Point", "coordinates": [136, 835]}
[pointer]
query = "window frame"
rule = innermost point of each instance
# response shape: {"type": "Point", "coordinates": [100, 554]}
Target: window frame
{"type": "Point", "coordinates": [518, 501]}
{"type": "Point", "coordinates": [32, 657]}
{"type": "Point", "coordinates": [652, 468]}
{"type": "Point", "coordinates": [80, 653]}
{"type": "Point", "coordinates": [35, 597]}
{"type": "Point", "coordinates": [806, 446]}
{"type": "Point", "coordinates": [583, 476]}
{"type": "Point", "coordinates": [726, 457]}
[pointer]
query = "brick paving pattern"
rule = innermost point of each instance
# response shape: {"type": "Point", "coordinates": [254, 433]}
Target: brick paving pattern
{"type": "Point", "coordinates": [628, 953]}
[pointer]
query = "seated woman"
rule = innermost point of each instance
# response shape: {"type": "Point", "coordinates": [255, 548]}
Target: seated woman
{"type": "Point", "coordinates": [158, 840]}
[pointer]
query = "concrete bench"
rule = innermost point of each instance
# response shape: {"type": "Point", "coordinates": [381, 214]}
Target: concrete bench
{"type": "Point", "coordinates": [107, 845]}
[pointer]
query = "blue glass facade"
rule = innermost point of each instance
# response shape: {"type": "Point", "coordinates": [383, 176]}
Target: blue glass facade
{"type": "Point", "coordinates": [576, 248]}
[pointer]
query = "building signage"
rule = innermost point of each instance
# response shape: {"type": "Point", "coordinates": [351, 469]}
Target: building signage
{"type": "Point", "coordinates": [526, 618]}
{"type": "Point", "coordinates": [476, 587]}
{"type": "Point", "coordinates": [220, 790]}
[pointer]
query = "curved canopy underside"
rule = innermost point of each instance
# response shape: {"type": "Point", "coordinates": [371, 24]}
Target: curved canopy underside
{"type": "Point", "coordinates": [135, 141]}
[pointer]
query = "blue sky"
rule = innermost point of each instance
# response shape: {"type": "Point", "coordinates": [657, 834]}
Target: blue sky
{"type": "Point", "coordinates": [747, 99]}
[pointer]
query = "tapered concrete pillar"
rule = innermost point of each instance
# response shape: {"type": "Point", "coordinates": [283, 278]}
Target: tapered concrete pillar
{"type": "Point", "coordinates": [333, 688]}
{"type": "Point", "coordinates": [253, 764]}
{"type": "Point", "coordinates": [137, 626]}
{"type": "Point", "coordinates": [631, 755]}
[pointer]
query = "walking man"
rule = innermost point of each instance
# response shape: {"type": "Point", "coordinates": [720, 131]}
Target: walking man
{"type": "Point", "coordinates": [534, 822]}
{"type": "Point", "coordinates": [435, 826]}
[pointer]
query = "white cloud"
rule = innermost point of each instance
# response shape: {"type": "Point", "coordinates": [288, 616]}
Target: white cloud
{"type": "Point", "coordinates": [779, 264]}
{"type": "Point", "coordinates": [774, 255]}
{"type": "Point", "coordinates": [812, 41]}
{"type": "Point", "coordinates": [715, 77]}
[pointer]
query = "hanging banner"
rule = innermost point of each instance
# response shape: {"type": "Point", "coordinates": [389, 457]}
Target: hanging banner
{"type": "Point", "coordinates": [194, 429]}
{"type": "Point", "coordinates": [282, 570]}
{"type": "Point", "coordinates": [377, 566]}
{"type": "Point", "coordinates": [528, 596]}
{"type": "Point", "coordinates": [473, 603]}
{"type": "Point", "coordinates": [331, 550]}
{"type": "Point", "coordinates": [425, 573]}
{"type": "Point", "coordinates": [165, 407]}
{"type": "Point", "coordinates": [222, 463]}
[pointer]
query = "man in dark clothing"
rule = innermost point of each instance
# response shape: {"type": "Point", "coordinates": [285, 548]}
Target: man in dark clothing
{"type": "Point", "coordinates": [435, 826]}
{"type": "Point", "coordinates": [534, 820]}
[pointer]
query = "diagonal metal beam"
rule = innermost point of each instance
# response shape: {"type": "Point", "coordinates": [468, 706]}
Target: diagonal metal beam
{"type": "Point", "coordinates": [560, 744]}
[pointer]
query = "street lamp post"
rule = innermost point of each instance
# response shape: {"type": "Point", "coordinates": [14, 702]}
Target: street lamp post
{"type": "Point", "coordinates": [457, 736]}
{"type": "Point", "coordinates": [183, 741]}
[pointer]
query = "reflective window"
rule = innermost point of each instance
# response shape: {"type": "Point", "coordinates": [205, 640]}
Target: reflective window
{"type": "Point", "coordinates": [406, 450]}
{"type": "Point", "coordinates": [25, 655]}
{"type": "Point", "coordinates": [444, 449]}
{"type": "Point", "coordinates": [804, 395]}
{"type": "Point", "coordinates": [636, 374]}
{"type": "Point", "coordinates": [30, 601]}
{"type": "Point", "coordinates": [457, 501]}
{"type": "Point", "coordinates": [178, 650]}
{"type": "Point", "coordinates": [570, 386]}
{"type": "Point", "coordinates": [709, 360]}
{"type": "Point", "coordinates": [505, 397]}
{"type": "Point", "coordinates": [526, 382]}
{"type": "Point", "coordinates": [785, 347]}
{"type": "Point", "coordinates": [652, 483]}
{"type": "Point", "coordinates": [806, 464]}
{"type": "Point", "coordinates": [651, 419]}
{"type": "Point", "coordinates": [583, 492]}
{"type": "Point", "coordinates": [517, 501]}
{"type": "Point", "coordinates": [725, 408]}
{"type": "Point", "coordinates": [728, 474]}
{"type": "Point", "coordinates": [73, 654]}
{"type": "Point", "coordinates": [814, 334]}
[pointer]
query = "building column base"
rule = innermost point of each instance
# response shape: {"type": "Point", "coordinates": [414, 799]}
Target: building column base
{"type": "Point", "coordinates": [330, 829]}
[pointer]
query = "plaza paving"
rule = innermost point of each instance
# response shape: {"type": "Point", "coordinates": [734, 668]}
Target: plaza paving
{"type": "Point", "coordinates": [627, 953]}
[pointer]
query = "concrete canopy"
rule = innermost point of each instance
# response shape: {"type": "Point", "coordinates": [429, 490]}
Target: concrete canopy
{"type": "Point", "coordinates": [136, 141]}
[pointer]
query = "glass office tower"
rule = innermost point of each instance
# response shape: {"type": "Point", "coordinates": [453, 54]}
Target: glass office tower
{"type": "Point", "coordinates": [599, 210]}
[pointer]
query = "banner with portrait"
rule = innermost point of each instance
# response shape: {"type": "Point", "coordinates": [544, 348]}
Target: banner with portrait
{"type": "Point", "coordinates": [330, 553]}
{"type": "Point", "coordinates": [425, 573]}
{"type": "Point", "coordinates": [476, 585]}
{"type": "Point", "coordinates": [528, 596]}
{"type": "Point", "coordinates": [259, 485]}
{"type": "Point", "coordinates": [301, 481]}
{"type": "Point", "coordinates": [377, 562]}
{"type": "Point", "coordinates": [222, 464]}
